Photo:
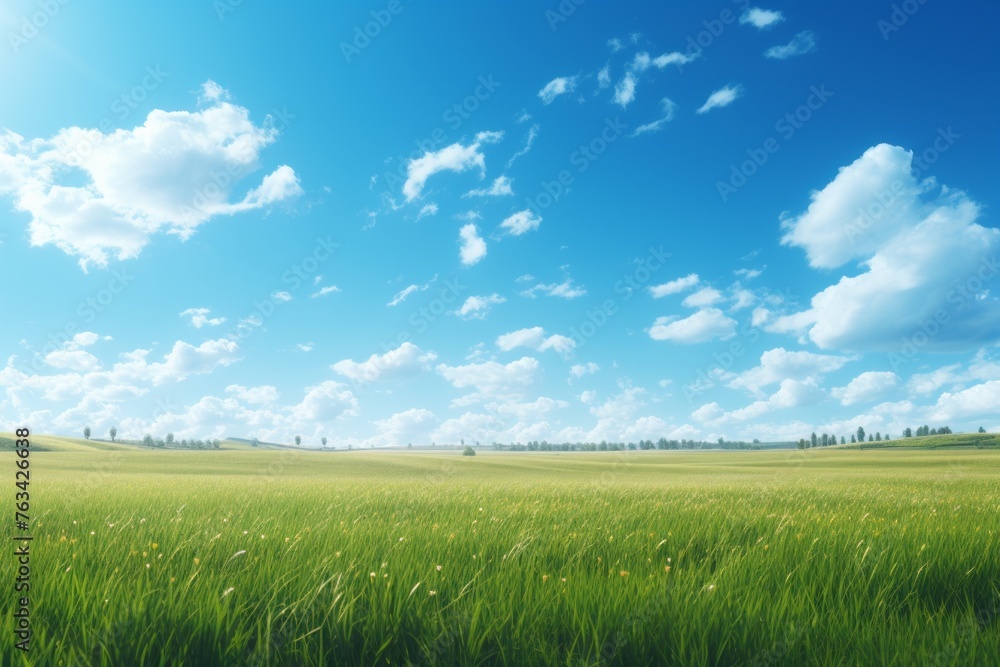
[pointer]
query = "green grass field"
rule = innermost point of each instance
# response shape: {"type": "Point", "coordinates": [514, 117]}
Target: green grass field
{"type": "Point", "coordinates": [821, 557]}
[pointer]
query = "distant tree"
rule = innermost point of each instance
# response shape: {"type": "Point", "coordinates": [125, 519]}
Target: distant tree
{"type": "Point", "coordinates": [871, 438]}
{"type": "Point", "coordinates": [842, 440]}
{"type": "Point", "coordinates": [86, 432]}
{"type": "Point", "coordinates": [170, 438]}
{"type": "Point", "coordinates": [468, 451]}
{"type": "Point", "coordinates": [907, 432]}
{"type": "Point", "coordinates": [147, 440]}
{"type": "Point", "coordinates": [878, 436]}
{"type": "Point", "coordinates": [409, 445]}
{"type": "Point", "coordinates": [825, 439]}
{"type": "Point", "coordinates": [813, 440]}
{"type": "Point", "coordinates": [463, 442]}
{"type": "Point", "coordinates": [253, 443]}
{"type": "Point", "coordinates": [944, 430]}
{"type": "Point", "coordinates": [217, 443]}
{"type": "Point", "coordinates": [934, 431]}
{"type": "Point", "coordinates": [802, 443]}
{"type": "Point", "coordinates": [854, 439]}
{"type": "Point", "coordinates": [981, 429]}
{"type": "Point", "coordinates": [861, 434]}
{"type": "Point", "coordinates": [323, 441]}
{"type": "Point", "coordinates": [298, 440]}
{"type": "Point", "coordinates": [113, 433]}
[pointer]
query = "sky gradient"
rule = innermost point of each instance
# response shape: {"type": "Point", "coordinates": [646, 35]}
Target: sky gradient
{"type": "Point", "coordinates": [400, 222]}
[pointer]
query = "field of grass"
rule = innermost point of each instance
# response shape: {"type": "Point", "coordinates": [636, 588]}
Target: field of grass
{"type": "Point", "coordinates": [981, 440]}
{"type": "Point", "coordinates": [630, 558]}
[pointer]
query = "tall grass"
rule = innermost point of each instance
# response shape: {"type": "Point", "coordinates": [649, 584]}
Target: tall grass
{"type": "Point", "coordinates": [645, 558]}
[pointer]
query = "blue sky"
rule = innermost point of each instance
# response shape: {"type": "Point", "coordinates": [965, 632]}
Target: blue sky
{"type": "Point", "coordinates": [401, 222]}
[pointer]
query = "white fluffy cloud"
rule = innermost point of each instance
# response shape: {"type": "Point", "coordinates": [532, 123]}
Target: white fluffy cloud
{"type": "Point", "coordinates": [761, 18]}
{"type": "Point", "coordinates": [702, 326]}
{"type": "Point", "coordinates": [804, 42]}
{"type": "Point", "coordinates": [263, 394]}
{"type": "Point", "coordinates": [199, 317]}
{"type": "Point", "coordinates": [868, 386]}
{"type": "Point", "coordinates": [928, 265]}
{"type": "Point", "coordinates": [579, 370]}
{"type": "Point", "coordinates": [780, 364]}
{"type": "Point", "coordinates": [473, 247]}
{"type": "Point", "coordinates": [706, 296]}
{"type": "Point", "coordinates": [95, 195]}
{"type": "Point", "coordinates": [625, 90]}
{"type": "Point", "coordinates": [521, 222]}
{"type": "Point", "coordinates": [674, 286]}
{"type": "Point", "coordinates": [535, 339]}
{"type": "Point", "coordinates": [405, 359]}
{"type": "Point", "coordinates": [455, 157]}
{"type": "Point", "coordinates": [722, 97]}
{"type": "Point", "coordinates": [556, 87]}
{"type": "Point", "coordinates": [493, 379]}
{"type": "Point", "coordinates": [478, 307]}
{"type": "Point", "coordinates": [980, 400]}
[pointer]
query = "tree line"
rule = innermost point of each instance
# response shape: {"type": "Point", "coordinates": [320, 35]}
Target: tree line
{"type": "Point", "coordinates": [162, 443]}
{"type": "Point", "coordinates": [825, 440]}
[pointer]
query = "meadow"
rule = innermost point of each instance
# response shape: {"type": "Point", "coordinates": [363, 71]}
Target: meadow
{"type": "Point", "coordinates": [243, 557]}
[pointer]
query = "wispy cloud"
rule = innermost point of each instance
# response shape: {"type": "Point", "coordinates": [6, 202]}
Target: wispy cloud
{"type": "Point", "coordinates": [804, 42]}
{"type": "Point", "coordinates": [556, 87]}
{"type": "Point", "coordinates": [723, 97]}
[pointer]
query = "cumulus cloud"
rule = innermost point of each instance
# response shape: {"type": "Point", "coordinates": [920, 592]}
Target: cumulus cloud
{"type": "Point", "coordinates": [579, 370]}
{"type": "Point", "coordinates": [556, 87]}
{"type": "Point", "coordinates": [478, 307]}
{"type": "Point", "coordinates": [928, 264]}
{"type": "Point", "coordinates": [625, 90]}
{"type": "Point", "coordinates": [404, 360]}
{"type": "Point", "coordinates": [521, 222]}
{"type": "Point", "coordinates": [262, 394]}
{"type": "Point", "coordinates": [761, 18]}
{"type": "Point", "coordinates": [780, 364]}
{"type": "Point", "coordinates": [723, 97]}
{"type": "Point", "coordinates": [702, 326]}
{"type": "Point", "coordinates": [706, 296]}
{"type": "Point", "coordinates": [674, 286]}
{"type": "Point", "coordinates": [535, 339]}
{"type": "Point", "coordinates": [804, 42]}
{"type": "Point", "coordinates": [455, 157]}
{"type": "Point", "coordinates": [199, 317]}
{"type": "Point", "coordinates": [492, 379]}
{"type": "Point", "coordinates": [473, 247]}
{"type": "Point", "coordinates": [97, 195]}
{"type": "Point", "coordinates": [868, 386]}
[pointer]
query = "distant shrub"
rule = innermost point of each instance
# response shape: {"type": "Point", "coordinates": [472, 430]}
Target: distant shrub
{"type": "Point", "coordinates": [468, 451]}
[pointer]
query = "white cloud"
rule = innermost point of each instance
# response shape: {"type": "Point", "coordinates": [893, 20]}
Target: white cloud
{"type": "Point", "coordinates": [669, 108]}
{"type": "Point", "coordinates": [329, 289]}
{"type": "Point", "coordinates": [760, 316]}
{"type": "Point", "coordinates": [748, 274]}
{"type": "Point", "coordinates": [674, 286]}
{"type": "Point", "coordinates": [868, 386]}
{"type": "Point", "coordinates": [556, 87]}
{"type": "Point", "coordinates": [535, 339]}
{"type": "Point", "coordinates": [427, 210]}
{"type": "Point", "coordinates": [473, 247]}
{"type": "Point", "coordinates": [563, 290]}
{"type": "Point", "coordinates": [95, 195]}
{"type": "Point", "coordinates": [281, 296]}
{"type": "Point", "coordinates": [80, 361]}
{"type": "Point", "coordinates": [478, 307]}
{"type": "Point", "coordinates": [708, 413]}
{"type": "Point", "coordinates": [980, 400]}
{"type": "Point", "coordinates": [455, 157]}
{"type": "Point", "coordinates": [588, 397]}
{"type": "Point", "coordinates": [579, 370]}
{"type": "Point", "coordinates": [706, 296]}
{"type": "Point", "coordinates": [928, 265]}
{"type": "Point", "coordinates": [674, 58]}
{"type": "Point", "coordinates": [702, 326]}
{"type": "Point", "coordinates": [405, 359]}
{"type": "Point", "coordinates": [625, 90]}
{"type": "Point", "coordinates": [263, 394]}
{"type": "Point", "coordinates": [305, 347]}
{"type": "Point", "coordinates": [407, 427]}
{"type": "Point", "coordinates": [492, 379]}
{"type": "Point", "coordinates": [325, 402]}
{"type": "Point", "coordinates": [761, 18]}
{"type": "Point", "coordinates": [500, 187]}
{"type": "Point", "coordinates": [804, 42]}
{"type": "Point", "coordinates": [790, 394]}
{"type": "Point", "coordinates": [604, 78]}
{"type": "Point", "coordinates": [779, 364]}
{"type": "Point", "coordinates": [723, 97]}
{"type": "Point", "coordinates": [401, 295]}
{"type": "Point", "coordinates": [521, 222]}
{"type": "Point", "coordinates": [199, 317]}
{"type": "Point", "coordinates": [528, 142]}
